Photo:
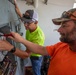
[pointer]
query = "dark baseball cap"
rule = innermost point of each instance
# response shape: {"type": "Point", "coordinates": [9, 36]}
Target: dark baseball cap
{"type": "Point", "coordinates": [32, 16]}
{"type": "Point", "coordinates": [66, 16]}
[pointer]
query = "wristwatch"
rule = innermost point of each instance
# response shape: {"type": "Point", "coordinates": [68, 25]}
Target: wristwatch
{"type": "Point", "coordinates": [13, 49]}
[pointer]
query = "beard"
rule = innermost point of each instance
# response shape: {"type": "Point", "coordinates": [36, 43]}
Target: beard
{"type": "Point", "coordinates": [66, 39]}
{"type": "Point", "coordinates": [69, 37]}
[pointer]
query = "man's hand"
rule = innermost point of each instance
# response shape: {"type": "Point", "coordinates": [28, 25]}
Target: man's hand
{"type": "Point", "coordinates": [29, 52]}
{"type": "Point", "coordinates": [16, 37]}
{"type": "Point", "coordinates": [5, 45]}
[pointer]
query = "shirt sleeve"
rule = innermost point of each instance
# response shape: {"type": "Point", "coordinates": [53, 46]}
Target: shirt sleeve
{"type": "Point", "coordinates": [52, 49]}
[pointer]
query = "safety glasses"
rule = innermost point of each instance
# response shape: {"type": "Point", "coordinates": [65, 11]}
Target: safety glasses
{"type": "Point", "coordinates": [28, 23]}
{"type": "Point", "coordinates": [69, 15]}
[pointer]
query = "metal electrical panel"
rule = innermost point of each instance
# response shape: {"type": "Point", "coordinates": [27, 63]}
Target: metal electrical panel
{"type": "Point", "coordinates": [9, 20]}
{"type": "Point", "coordinates": [3, 11]}
{"type": "Point", "coordinates": [7, 12]}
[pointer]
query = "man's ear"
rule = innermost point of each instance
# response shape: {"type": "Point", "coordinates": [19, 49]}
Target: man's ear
{"type": "Point", "coordinates": [36, 22]}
